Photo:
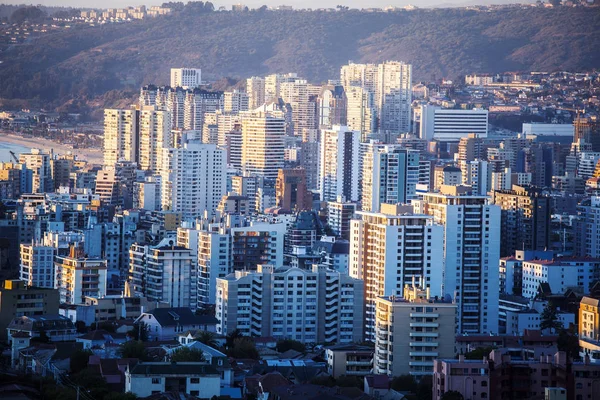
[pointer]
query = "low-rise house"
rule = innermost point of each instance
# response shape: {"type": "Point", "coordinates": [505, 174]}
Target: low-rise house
{"type": "Point", "coordinates": [350, 360]}
{"type": "Point", "coordinates": [43, 359]}
{"type": "Point", "coordinates": [168, 323]}
{"type": "Point", "coordinates": [309, 391]}
{"type": "Point", "coordinates": [215, 358]}
{"type": "Point", "coordinates": [56, 328]}
{"type": "Point", "coordinates": [99, 338]}
{"type": "Point", "coordinates": [196, 379]}
{"type": "Point", "coordinates": [112, 370]}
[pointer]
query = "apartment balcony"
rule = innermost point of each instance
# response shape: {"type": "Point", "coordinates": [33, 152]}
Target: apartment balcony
{"type": "Point", "coordinates": [366, 363]}
{"type": "Point", "coordinates": [421, 363]}
{"type": "Point", "coordinates": [424, 325]}
{"type": "Point", "coordinates": [423, 353]}
{"type": "Point", "coordinates": [423, 344]}
{"type": "Point", "coordinates": [424, 315]}
{"type": "Point", "coordinates": [359, 373]}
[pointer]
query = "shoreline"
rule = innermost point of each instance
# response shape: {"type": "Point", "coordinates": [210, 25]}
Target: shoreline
{"type": "Point", "coordinates": [93, 156]}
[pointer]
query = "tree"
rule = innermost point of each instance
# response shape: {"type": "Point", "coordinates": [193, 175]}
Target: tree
{"type": "Point", "coordinates": [208, 338]}
{"type": "Point", "coordinates": [133, 349]}
{"type": "Point", "coordinates": [80, 326]}
{"type": "Point", "coordinates": [555, 3]}
{"type": "Point", "coordinates": [549, 318]}
{"type": "Point", "coordinates": [568, 342]}
{"type": "Point", "coordinates": [290, 344]}
{"type": "Point", "coordinates": [79, 360]}
{"type": "Point", "coordinates": [349, 381]}
{"type": "Point", "coordinates": [479, 353]}
{"type": "Point", "coordinates": [243, 347]}
{"type": "Point", "coordinates": [139, 332]}
{"type": "Point", "coordinates": [231, 338]}
{"type": "Point", "coordinates": [31, 14]}
{"type": "Point", "coordinates": [120, 396]}
{"type": "Point", "coordinates": [94, 384]}
{"type": "Point", "coordinates": [424, 390]}
{"type": "Point", "coordinates": [323, 380]}
{"type": "Point", "coordinates": [187, 354]}
{"type": "Point", "coordinates": [103, 325]}
{"type": "Point", "coordinates": [452, 395]}
{"type": "Point", "coordinates": [404, 383]}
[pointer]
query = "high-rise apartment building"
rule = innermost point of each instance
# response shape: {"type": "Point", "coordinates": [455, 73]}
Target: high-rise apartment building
{"type": "Point", "coordinates": [37, 265]}
{"type": "Point", "coordinates": [38, 162]}
{"type": "Point", "coordinates": [361, 114]}
{"type": "Point", "coordinates": [391, 85]}
{"type": "Point", "coordinates": [235, 101]}
{"type": "Point", "coordinates": [186, 77]}
{"type": "Point", "coordinates": [311, 306]}
{"type": "Point", "coordinates": [393, 96]}
{"type": "Point", "coordinates": [155, 135]}
{"type": "Point", "coordinates": [448, 175]}
{"type": "Point", "coordinates": [588, 129]}
{"type": "Point", "coordinates": [339, 216]}
{"type": "Point", "coordinates": [255, 87]}
{"type": "Point", "coordinates": [587, 228]}
{"type": "Point", "coordinates": [193, 179]}
{"type": "Point", "coordinates": [197, 104]}
{"type": "Point", "coordinates": [77, 276]}
{"type": "Point", "coordinates": [478, 175]}
{"type": "Point", "coordinates": [297, 95]}
{"type": "Point", "coordinates": [526, 215]}
{"type": "Point", "coordinates": [108, 187]}
{"type": "Point", "coordinates": [391, 249]}
{"type": "Point", "coordinates": [263, 143]}
{"type": "Point", "coordinates": [290, 190]}
{"type": "Point", "coordinates": [165, 272]}
{"type": "Point", "coordinates": [213, 248]}
{"type": "Point", "coordinates": [390, 175]}
{"type": "Point", "coordinates": [412, 331]}
{"type": "Point", "coordinates": [339, 164]}
{"type": "Point", "coordinates": [121, 136]}
{"type": "Point", "coordinates": [332, 106]}
{"type": "Point", "coordinates": [471, 251]}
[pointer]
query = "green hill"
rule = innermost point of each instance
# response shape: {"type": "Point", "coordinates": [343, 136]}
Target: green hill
{"type": "Point", "coordinates": [84, 63]}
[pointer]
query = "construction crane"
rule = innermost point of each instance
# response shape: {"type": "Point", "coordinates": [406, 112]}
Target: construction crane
{"type": "Point", "coordinates": [14, 156]}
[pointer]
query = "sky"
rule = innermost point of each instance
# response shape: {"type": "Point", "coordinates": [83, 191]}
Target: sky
{"type": "Point", "coordinates": [257, 3]}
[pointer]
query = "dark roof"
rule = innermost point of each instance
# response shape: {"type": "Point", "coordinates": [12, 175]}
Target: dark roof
{"type": "Point", "coordinates": [268, 382]}
{"type": "Point", "coordinates": [101, 334]}
{"type": "Point", "coordinates": [340, 246]}
{"type": "Point", "coordinates": [318, 392]}
{"type": "Point", "coordinates": [378, 381]}
{"type": "Point", "coordinates": [165, 368]}
{"type": "Point", "coordinates": [181, 316]}
{"type": "Point", "coordinates": [451, 168]}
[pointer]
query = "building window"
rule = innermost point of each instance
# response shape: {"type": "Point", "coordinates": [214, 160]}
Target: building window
{"type": "Point", "coordinates": [155, 381]}
{"type": "Point", "coordinates": [194, 380]}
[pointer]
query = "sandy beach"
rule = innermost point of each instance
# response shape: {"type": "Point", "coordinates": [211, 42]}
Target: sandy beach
{"type": "Point", "coordinates": [93, 156]}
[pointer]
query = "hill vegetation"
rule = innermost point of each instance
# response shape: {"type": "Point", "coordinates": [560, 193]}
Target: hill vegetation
{"type": "Point", "coordinates": [80, 65]}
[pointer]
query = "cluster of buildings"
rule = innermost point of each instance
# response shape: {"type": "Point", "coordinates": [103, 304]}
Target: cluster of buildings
{"type": "Point", "coordinates": [362, 210]}
{"type": "Point", "coordinates": [124, 14]}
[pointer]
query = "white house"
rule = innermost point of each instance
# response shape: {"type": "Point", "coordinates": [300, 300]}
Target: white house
{"type": "Point", "coordinates": [195, 379]}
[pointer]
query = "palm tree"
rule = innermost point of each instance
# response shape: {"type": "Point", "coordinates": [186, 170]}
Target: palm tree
{"type": "Point", "coordinates": [208, 338]}
{"type": "Point", "coordinates": [236, 334]}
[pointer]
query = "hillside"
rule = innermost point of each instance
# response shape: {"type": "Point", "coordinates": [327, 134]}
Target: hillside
{"type": "Point", "coordinates": [78, 65]}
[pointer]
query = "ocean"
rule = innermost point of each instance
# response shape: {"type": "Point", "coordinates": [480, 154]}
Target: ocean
{"type": "Point", "coordinates": [5, 149]}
